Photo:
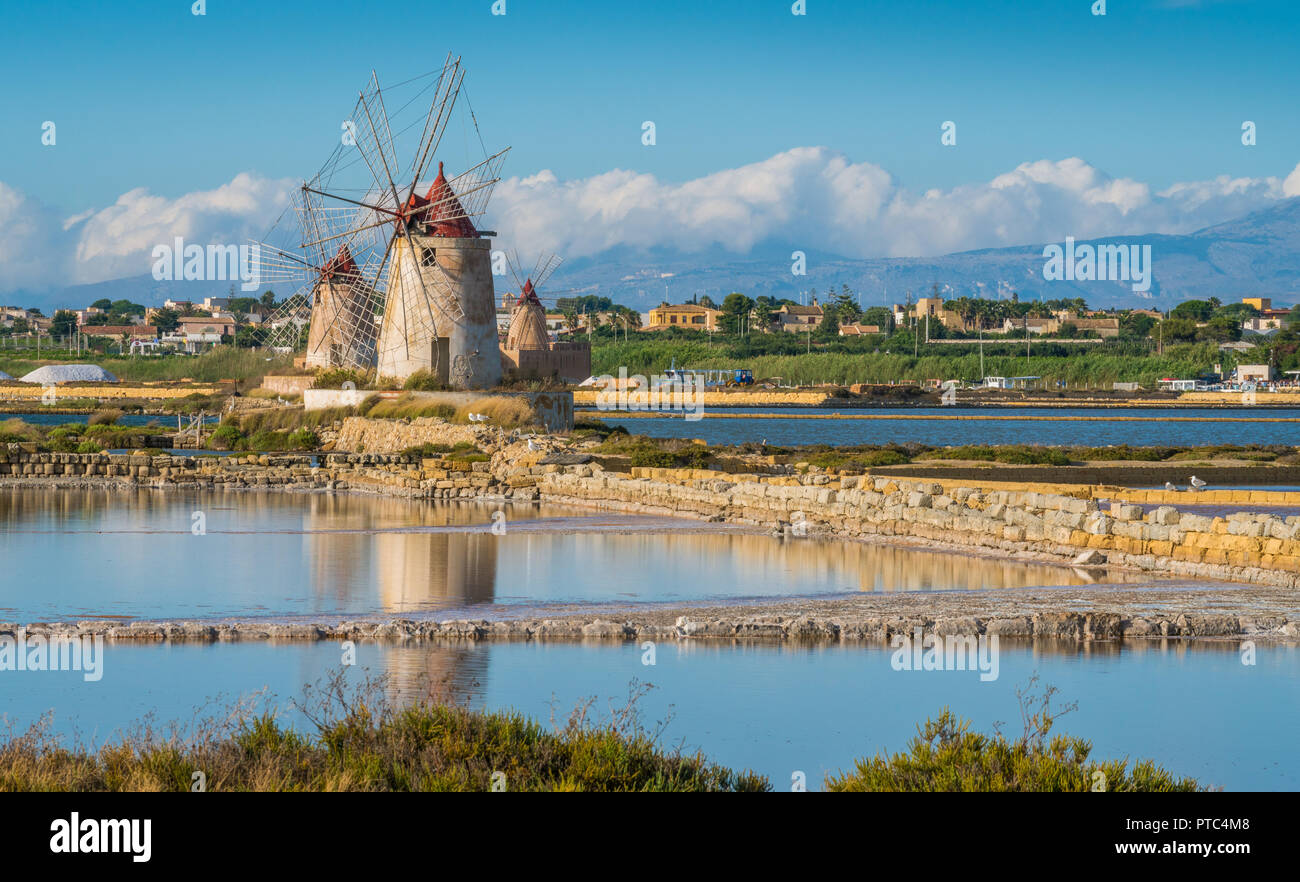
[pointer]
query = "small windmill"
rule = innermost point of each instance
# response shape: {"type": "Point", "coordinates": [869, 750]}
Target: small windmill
{"type": "Point", "coordinates": [419, 278]}
{"type": "Point", "coordinates": [336, 274]}
{"type": "Point", "coordinates": [528, 319]}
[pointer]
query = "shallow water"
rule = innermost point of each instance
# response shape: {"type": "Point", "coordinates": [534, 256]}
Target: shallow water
{"type": "Point", "coordinates": [1194, 708]}
{"type": "Point", "coordinates": [164, 421]}
{"type": "Point", "coordinates": [80, 554]}
{"type": "Point", "coordinates": [981, 425]}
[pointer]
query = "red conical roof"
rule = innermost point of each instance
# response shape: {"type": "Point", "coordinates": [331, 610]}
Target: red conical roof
{"type": "Point", "coordinates": [341, 264]}
{"type": "Point", "coordinates": [529, 294]}
{"type": "Point", "coordinates": [445, 216]}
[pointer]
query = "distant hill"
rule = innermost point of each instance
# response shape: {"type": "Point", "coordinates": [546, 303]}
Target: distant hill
{"type": "Point", "coordinates": [1255, 254]}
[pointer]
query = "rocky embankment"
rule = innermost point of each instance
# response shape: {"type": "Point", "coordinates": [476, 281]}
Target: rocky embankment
{"type": "Point", "coordinates": [1066, 525]}
{"type": "Point", "coordinates": [1063, 526]}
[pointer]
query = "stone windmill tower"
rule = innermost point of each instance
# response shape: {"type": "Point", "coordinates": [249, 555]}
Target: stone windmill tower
{"type": "Point", "coordinates": [527, 329]}
{"type": "Point", "coordinates": [440, 314]}
{"type": "Point", "coordinates": [336, 298]}
{"type": "Point", "coordinates": [527, 350]}
{"type": "Point", "coordinates": [421, 296]}
{"type": "Point", "coordinates": [342, 330]}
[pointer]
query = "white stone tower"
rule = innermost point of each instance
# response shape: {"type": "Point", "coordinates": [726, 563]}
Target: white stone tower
{"type": "Point", "coordinates": [443, 291]}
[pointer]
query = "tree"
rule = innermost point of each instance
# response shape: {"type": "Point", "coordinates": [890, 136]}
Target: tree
{"type": "Point", "coordinates": [1221, 329]}
{"type": "Point", "coordinates": [1195, 310]}
{"type": "Point", "coordinates": [707, 302]}
{"type": "Point", "coordinates": [63, 324]}
{"type": "Point", "coordinates": [166, 320]}
{"type": "Point", "coordinates": [879, 316]}
{"type": "Point", "coordinates": [735, 307]}
{"type": "Point", "coordinates": [830, 324]}
{"type": "Point", "coordinates": [103, 303]}
{"type": "Point", "coordinates": [845, 307]}
{"type": "Point", "coordinates": [1179, 328]}
{"type": "Point", "coordinates": [1135, 324]}
{"type": "Point", "coordinates": [764, 312]}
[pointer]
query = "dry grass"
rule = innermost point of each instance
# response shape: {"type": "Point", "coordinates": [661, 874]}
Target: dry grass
{"type": "Point", "coordinates": [362, 742]}
{"type": "Point", "coordinates": [501, 411]}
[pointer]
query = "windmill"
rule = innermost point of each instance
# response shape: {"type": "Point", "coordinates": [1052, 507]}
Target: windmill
{"type": "Point", "coordinates": [337, 299]}
{"type": "Point", "coordinates": [528, 319]}
{"type": "Point", "coordinates": [417, 294]}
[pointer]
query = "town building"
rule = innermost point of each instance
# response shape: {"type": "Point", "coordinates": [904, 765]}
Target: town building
{"type": "Point", "coordinates": [117, 332]}
{"type": "Point", "coordinates": [1253, 373]}
{"type": "Point", "coordinates": [798, 319]}
{"type": "Point", "coordinates": [684, 315]}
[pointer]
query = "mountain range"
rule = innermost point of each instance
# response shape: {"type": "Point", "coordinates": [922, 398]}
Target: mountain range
{"type": "Point", "coordinates": [1258, 254]}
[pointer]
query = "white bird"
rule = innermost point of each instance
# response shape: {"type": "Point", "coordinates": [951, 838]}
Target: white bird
{"type": "Point", "coordinates": [1197, 483]}
{"type": "Point", "coordinates": [532, 446]}
{"type": "Point", "coordinates": [1169, 486]}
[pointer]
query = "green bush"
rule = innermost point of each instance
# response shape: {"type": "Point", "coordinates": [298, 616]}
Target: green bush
{"type": "Point", "coordinates": [945, 756]}
{"type": "Point", "coordinates": [227, 436]}
{"type": "Point", "coordinates": [1014, 454]}
{"type": "Point", "coordinates": [304, 439]}
{"type": "Point", "coordinates": [106, 417]}
{"type": "Point", "coordinates": [423, 381]}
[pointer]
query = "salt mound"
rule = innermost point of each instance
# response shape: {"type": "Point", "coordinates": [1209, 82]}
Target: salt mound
{"type": "Point", "coordinates": [69, 373]}
{"type": "Point", "coordinates": [4, 376]}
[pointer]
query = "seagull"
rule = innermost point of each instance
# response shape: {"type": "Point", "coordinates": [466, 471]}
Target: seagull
{"type": "Point", "coordinates": [1197, 483]}
{"type": "Point", "coordinates": [1169, 486]}
{"type": "Point", "coordinates": [532, 446]}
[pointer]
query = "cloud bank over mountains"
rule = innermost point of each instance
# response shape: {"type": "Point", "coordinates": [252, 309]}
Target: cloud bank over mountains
{"type": "Point", "coordinates": [817, 198]}
{"type": "Point", "coordinates": [39, 250]}
{"type": "Point", "coordinates": [807, 197]}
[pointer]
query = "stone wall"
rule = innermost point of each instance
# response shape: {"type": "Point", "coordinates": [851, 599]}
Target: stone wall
{"type": "Point", "coordinates": [1243, 547]}
{"type": "Point", "coordinates": [288, 384]}
{"type": "Point", "coordinates": [1066, 526]}
{"type": "Point", "coordinates": [362, 435]}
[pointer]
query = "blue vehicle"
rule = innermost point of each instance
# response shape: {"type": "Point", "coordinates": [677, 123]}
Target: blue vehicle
{"type": "Point", "coordinates": [712, 377]}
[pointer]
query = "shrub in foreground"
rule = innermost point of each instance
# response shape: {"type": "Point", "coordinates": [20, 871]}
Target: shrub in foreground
{"type": "Point", "coordinates": [946, 756]}
{"type": "Point", "coordinates": [427, 747]}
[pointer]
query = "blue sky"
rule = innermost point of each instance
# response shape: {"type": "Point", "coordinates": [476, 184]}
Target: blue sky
{"type": "Point", "coordinates": [147, 95]}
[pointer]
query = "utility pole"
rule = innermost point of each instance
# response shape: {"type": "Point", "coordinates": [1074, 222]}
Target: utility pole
{"type": "Point", "coordinates": [1026, 345]}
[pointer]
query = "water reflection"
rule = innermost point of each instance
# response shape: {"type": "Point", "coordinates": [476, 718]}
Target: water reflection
{"type": "Point", "coordinates": [75, 554]}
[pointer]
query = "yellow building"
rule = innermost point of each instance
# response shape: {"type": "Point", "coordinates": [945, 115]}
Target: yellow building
{"type": "Point", "coordinates": [685, 315]}
{"type": "Point", "coordinates": [1260, 303]}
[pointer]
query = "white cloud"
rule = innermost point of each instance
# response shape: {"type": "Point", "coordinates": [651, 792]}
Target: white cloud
{"type": "Point", "coordinates": [29, 240]}
{"type": "Point", "coordinates": [818, 197]}
{"type": "Point", "coordinates": [118, 240]}
{"type": "Point", "coordinates": [809, 197]}
{"type": "Point", "coordinates": [40, 250]}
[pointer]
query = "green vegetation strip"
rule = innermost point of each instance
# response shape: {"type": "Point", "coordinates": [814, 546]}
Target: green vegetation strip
{"type": "Point", "coordinates": [364, 743]}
